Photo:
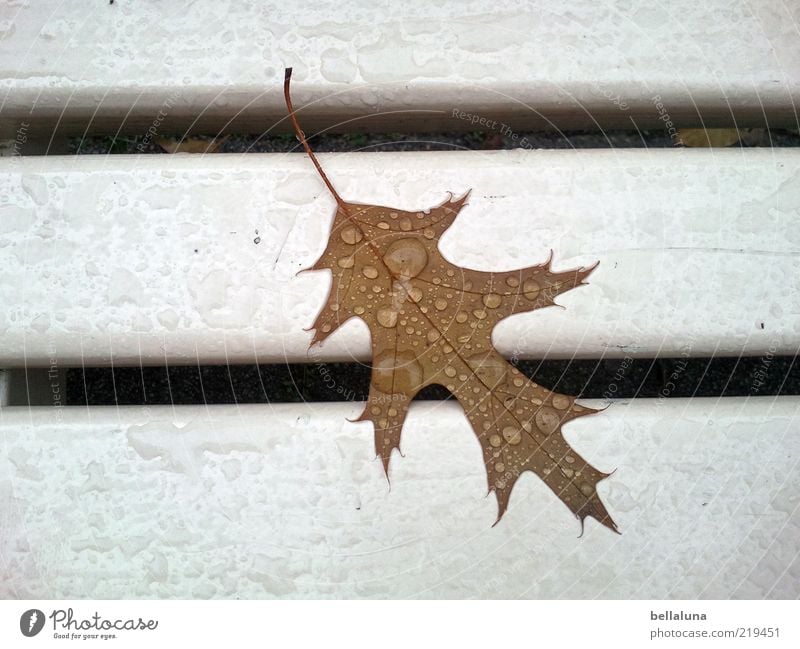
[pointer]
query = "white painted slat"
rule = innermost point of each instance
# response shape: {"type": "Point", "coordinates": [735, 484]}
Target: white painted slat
{"type": "Point", "coordinates": [289, 501]}
{"type": "Point", "coordinates": [218, 64]}
{"type": "Point", "coordinates": [153, 259]}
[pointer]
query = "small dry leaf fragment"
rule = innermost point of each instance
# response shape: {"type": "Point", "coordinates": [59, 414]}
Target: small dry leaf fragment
{"type": "Point", "coordinates": [191, 144]}
{"type": "Point", "coordinates": [718, 137]}
{"type": "Point", "coordinates": [431, 322]}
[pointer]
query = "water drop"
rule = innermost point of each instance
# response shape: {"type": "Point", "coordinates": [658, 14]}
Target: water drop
{"type": "Point", "coordinates": [479, 313]}
{"type": "Point", "coordinates": [405, 224]}
{"type": "Point", "coordinates": [370, 272]}
{"type": "Point", "coordinates": [461, 316]}
{"type": "Point", "coordinates": [531, 289]}
{"type": "Point", "coordinates": [547, 420]}
{"type": "Point", "coordinates": [586, 489]}
{"type": "Point", "coordinates": [346, 262]}
{"type": "Point", "coordinates": [495, 440]}
{"type": "Point", "coordinates": [351, 235]}
{"type": "Point", "coordinates": [560, 401]}
{"type": "Point", "coordinates": [492, 300]}
{"type": "Point", "coordinates": [513, 282]}
{"type": "Point", "coordinates": [387, 317]}
{"type": "Point", "coordinates": [383, 225]}
{"type": "Point", "coordinates": [450, 371]}
{"type": "Point", "coordinates": [440, 304]}
{"type": "Point", "coordinates": [406, 257]}
{"type": "Point", "coordinates": [512, 435]}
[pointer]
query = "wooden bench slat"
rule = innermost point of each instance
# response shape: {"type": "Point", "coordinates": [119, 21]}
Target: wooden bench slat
{"type": "Point", "coordinates": [153, 259]}
{"type": "Point", "coordinates": [219, 65]}
{"type": "Point", "coordinates": [289, 501]}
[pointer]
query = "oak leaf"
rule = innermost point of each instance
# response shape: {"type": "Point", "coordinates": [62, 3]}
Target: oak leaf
{"type": "Point", "coordinates": [431, 323]}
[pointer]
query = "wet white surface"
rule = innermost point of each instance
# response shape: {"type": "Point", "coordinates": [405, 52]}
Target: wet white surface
{"type": "Point", "coordinates": [212, 64]}
{"type": "Point", "coordinates": [289, 501]}
{"type": "Point", "coordinates": [154, 258]}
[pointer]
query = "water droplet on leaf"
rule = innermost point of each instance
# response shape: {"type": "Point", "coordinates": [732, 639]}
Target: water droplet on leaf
{"type": "Point", "coordinates": [387, 317]}
{"type": "Point", "coordinates": [406, 258]}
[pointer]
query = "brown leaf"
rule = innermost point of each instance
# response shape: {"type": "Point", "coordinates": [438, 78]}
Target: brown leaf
{"type": "Point", "coordinates": [720, 137]}
{"type": "Point", "coordinates": [431, 323]}
{"type": "Point", "coordinates": [190, 145]}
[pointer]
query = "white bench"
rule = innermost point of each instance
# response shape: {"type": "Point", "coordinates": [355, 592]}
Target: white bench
{"type": "Point", "coordinates": [125, 260]}
{"type": "Point", "coordinates": [288, 501]}
{"type": "Point", "coordinates": [218, 66]}
{"type": "Point", "coordinates": [153, 258]}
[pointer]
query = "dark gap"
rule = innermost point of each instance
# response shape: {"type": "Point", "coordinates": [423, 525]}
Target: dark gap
{"type": "Point", "coordinates": [446, 141]}
{"type": "Point", "coordinates": [591, 379]}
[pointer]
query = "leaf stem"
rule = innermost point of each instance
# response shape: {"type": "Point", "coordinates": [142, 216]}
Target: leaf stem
{"type": "Point", "coordinates": [302, 136]}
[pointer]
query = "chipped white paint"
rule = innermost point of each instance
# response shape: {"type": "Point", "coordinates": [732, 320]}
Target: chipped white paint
{"type": "Point", "coordinates": [153, 258]}
{"type": "Point", "coordinates": [289, 501]}
{"type": "Point", "coordinates": [215, 64]}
